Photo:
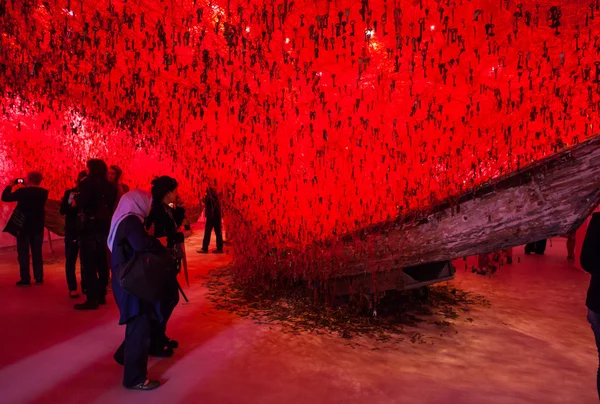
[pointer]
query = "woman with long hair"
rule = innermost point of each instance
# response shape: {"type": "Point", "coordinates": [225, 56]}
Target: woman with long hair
{"type": "Point", "coordinates": [164, 221]}
{"type": "Point", "coordinates": [115, 176]}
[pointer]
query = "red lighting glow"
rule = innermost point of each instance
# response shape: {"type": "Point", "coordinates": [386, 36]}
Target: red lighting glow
{"type": "Point", "coordinates": [317, 117]}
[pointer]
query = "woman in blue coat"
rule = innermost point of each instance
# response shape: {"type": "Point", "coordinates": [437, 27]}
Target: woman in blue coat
{"type": "Point", "coordinates": [128, 235]}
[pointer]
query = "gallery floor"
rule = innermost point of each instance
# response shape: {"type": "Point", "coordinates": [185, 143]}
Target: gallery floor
{"type": "Point", "coordinates": [533, 345]}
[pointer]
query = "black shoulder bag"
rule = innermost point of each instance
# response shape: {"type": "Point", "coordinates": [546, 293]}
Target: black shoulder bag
{"type": "Point", "coordinates": [16, 223]}
{"type": "Point", "coordinates": [145, 274]}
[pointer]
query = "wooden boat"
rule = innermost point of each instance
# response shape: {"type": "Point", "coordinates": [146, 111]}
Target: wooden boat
{"type": "Point", "coordinates": [549, 198]}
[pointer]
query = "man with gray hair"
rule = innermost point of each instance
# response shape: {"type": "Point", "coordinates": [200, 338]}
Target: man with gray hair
{"type": "Point", "coordinates": [27, 223]}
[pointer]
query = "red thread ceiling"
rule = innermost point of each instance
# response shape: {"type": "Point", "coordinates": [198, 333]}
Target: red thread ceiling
{"type": "Point", "coordinates": [317, 117]}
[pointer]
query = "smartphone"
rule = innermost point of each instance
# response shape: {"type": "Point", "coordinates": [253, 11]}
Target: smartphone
{"type": "Point", "coordinates": [72, 196]}
{"type": "Point", "coordinates": [20, 181]}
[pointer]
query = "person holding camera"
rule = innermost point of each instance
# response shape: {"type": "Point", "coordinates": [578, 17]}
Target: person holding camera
{"type": "Point", "coordinates": [97, 198]}
{"type": "Point", "coordinates": [69, 208]}
{"type": "Point", "coordinates": [27, 223]}
{"type": "Point", "coordinates": [164, 221]}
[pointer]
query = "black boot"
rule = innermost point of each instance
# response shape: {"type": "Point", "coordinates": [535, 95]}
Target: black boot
{"type": "Point", "coordinates": [161, 352]}
{"type": "Point", "coordinates": [23, 283]}
{"type": "Point", "coordinates": [87, 305]}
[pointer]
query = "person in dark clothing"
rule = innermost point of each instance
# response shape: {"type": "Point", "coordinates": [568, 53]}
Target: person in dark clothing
{"type": "Point", "coordinates": [571, 242]}
{"type": "Point", "coordinates": [590, 262]}
{"type": "Point", "coordinates": [96, 202]}
{"type": "Point", "coordinates": [69, 209]}
{"type": "Point", "coordinates": [538, 247]}
{"type": "Point", "coordinates": [127, 235]}
{"type": "Point", "coordinates": [115, 176]}
{"type": "Point", "coordinates": [31, 200]}
{"type": "Point", "coordinates": [164, 221]}
{"type": "Point", "coordinates": [212, 212]}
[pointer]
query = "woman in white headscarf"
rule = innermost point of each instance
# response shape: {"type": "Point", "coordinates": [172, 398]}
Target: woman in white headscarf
{"type": "Point", "coordinates": [128, 235]}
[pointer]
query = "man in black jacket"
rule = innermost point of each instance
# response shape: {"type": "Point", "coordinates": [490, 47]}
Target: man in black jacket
{"type": "Point", "coordinates": [69, 208]}
{"type": "Point", "coordinates": [97, 198]}
{"type": "Point", "coordinates": [590, 262]}
{"type": "Point", "coordinates": [31, 199]}
{"type": "Point", "coordinates": [212, 212]}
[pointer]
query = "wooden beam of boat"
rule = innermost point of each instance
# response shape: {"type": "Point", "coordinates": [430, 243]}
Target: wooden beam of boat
{"type": "Point", "coordinates": [548, 198]}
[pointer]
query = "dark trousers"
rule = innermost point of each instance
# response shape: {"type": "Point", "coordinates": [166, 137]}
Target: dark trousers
{"type": "Point", "coordinates": [133, 352]}
{"type": "Point", "coordinates": [539, 247]}
{"type": "Point", "coordinates": [213, 223]}
{"type": "Point", "coordinates": [25, 240]}
{"type": "Point", "coordinates": [94, 265]}
{"type": "Point", "coordinates": [168, 303]}
{"type": "Point", "coordinates": [594, 319]}
{"type": "Point", "coordinates": [71, 254]}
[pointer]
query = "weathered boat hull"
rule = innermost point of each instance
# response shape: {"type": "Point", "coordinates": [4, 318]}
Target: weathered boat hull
{"type": "Point", "coordinates": [549, 198]}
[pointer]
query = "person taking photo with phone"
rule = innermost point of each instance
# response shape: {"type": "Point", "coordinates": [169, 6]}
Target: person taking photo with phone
{"type": "Point", "coordinates": [27, 223]}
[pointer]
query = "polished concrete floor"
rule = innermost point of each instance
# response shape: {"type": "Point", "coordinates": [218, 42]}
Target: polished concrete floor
{"type": "Point", "coordinates": [533, 345]}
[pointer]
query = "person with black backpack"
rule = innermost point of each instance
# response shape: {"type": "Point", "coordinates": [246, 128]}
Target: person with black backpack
{"type": "Point", "coordinates": [97, 198]}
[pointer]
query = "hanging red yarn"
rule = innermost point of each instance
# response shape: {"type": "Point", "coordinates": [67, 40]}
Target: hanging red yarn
{"type": "Point", "coordinates": [317, 117]}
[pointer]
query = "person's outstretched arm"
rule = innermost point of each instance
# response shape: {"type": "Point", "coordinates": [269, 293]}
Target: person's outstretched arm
{"type": "Point", "coordinates": [590, 252]}
{"type": "Point", "coordinates": [9, 196]}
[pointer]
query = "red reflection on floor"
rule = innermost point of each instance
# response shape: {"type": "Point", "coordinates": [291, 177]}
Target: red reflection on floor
{"type": "Point", "coordinates": [532, 345]}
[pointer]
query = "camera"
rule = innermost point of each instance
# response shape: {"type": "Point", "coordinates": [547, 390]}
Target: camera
{"type": "Point", "coordinates": [20, 181]}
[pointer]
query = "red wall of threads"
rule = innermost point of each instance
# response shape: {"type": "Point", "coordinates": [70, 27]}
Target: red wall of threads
{"type": "Point", "coordinates": [316, 117]}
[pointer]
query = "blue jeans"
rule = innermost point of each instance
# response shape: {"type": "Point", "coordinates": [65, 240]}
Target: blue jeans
{"type": "Point", "coordinates": [594, 319]}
